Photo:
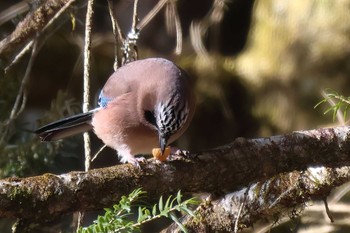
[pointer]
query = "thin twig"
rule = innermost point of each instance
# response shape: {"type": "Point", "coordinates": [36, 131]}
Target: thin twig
{"type": "Point", "coordinates": [58, 14]}
{"type": "Point", "coordinates": [14, 11]}
{"type": "Point", "coordinates": [173, 24]}
{"type": "Point", "coordinates": [86, 96]}
{"type": "Point", "coordinates": [172, 16]}
{"type": "Point", "coordinates": [338, 194]}
{"type": "Point", "coordinates": [151, 14]}
{"type": "Point", "coordinates": [81, 215]}
{"type": "Point", "coordinates": [118, 36]}
{"type": "Point", "coordinates": [200, 28]}
{"type": "Point", "coordinates": [130, 52]}
{"type": "Point", "coordinates": [30, 44]}
{"type": "Point", "coordinates": [244, 201]}
{"type": "Point", "coordinates": [238, 215]}
{"type": "Point", "coordinates": [329, 214]}
{"type": "Point", "coordinates": [19, 55]}
{"type": "Point", "coordinates": [135, 16]}
{"type": "Point", "coordinates": [98, 152]}
{"type": "Point", "coordinates": [21, 98]}
{"type": "Point", "coordinates": [178, 47]}
{"type": "Point", "coordinates": [196, 31]}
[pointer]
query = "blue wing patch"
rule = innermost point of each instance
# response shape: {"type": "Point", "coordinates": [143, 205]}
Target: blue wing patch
{"type": "Point", "coordinates": [103, 100]}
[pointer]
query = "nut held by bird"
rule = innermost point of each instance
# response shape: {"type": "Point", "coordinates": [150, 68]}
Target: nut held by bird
{"type": "Point", "coordinates": [157, 154]}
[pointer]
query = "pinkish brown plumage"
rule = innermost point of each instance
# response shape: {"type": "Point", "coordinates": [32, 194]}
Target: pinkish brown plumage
{"type": "Point", "coordinates": [144, 104]}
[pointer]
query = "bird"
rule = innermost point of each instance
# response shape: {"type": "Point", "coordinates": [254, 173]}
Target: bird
{"type": "Point", "coordinates": [144, 104]}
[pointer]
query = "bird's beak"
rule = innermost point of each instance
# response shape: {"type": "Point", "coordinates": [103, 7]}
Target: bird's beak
{"type": "Point", "coordinates": [163, 143]}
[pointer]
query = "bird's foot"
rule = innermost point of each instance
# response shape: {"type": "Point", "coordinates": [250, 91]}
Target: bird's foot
{"type": "Point", "coordinates": [128, 158]}
{"type": "Point", "coordinates": [178, 154]}
{"type": "Point", "coordinates": [136, 161]}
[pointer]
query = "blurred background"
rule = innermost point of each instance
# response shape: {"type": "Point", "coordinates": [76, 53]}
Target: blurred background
{"type": "Point", "coordinates": [259, 68]}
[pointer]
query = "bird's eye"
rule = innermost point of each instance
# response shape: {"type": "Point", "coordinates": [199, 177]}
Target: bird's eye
{"type": "Point", "coordinates": [149, 116]}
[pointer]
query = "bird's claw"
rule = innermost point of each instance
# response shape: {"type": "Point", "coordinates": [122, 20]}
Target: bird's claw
{"type": "Point", "coordinates": [178, 154]}
{"type": "Point", "coordinates": [136, 161]}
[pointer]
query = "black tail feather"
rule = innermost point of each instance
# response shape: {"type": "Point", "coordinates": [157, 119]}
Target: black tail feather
{"type": "Point", "coordinates": [66, 127]}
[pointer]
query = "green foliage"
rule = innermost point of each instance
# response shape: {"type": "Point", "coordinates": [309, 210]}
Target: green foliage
{"type": "Point", "coordinates": [338, 103]}
{"type": "Point", "coordinates": [25, 158]}
{"type": "Point", "coordinates": [119, 218]}
{"type": "Point", "coordinates": [22, 152]}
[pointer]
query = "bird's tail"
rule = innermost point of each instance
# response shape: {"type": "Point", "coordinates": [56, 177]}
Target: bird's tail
{"type": "Point", "coordinates": [66, 127]}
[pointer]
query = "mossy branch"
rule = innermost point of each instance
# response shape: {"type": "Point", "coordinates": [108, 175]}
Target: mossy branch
{"type": "Point", "coordinates": [224, 169]}
{"type": "Point", "coordinates": [266, 202]}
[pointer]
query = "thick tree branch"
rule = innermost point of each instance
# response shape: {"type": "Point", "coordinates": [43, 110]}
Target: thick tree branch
{"type": "Point", "coordinates": [223, 169]}
{"type": "Point", "coordinates": [266, 201]}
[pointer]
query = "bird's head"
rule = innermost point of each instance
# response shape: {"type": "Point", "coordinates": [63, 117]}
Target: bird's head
{"type": "Point", "coordinates": [170, 116]}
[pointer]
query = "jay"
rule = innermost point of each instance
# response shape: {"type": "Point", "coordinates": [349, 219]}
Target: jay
{"type": "Point", "coordinates": [144, 104]}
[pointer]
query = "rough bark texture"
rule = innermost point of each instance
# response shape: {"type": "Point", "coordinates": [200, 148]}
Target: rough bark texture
{"type": "Point", "coordinates": [33, 23]}
{"type": "Point", "coordinates": [267, 201]}
{"type": "Point", "coordinates": [221, 170]}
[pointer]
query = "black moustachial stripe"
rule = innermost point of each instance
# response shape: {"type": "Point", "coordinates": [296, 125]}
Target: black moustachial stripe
{"type": "Point", "coordinates": [172, 115]}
